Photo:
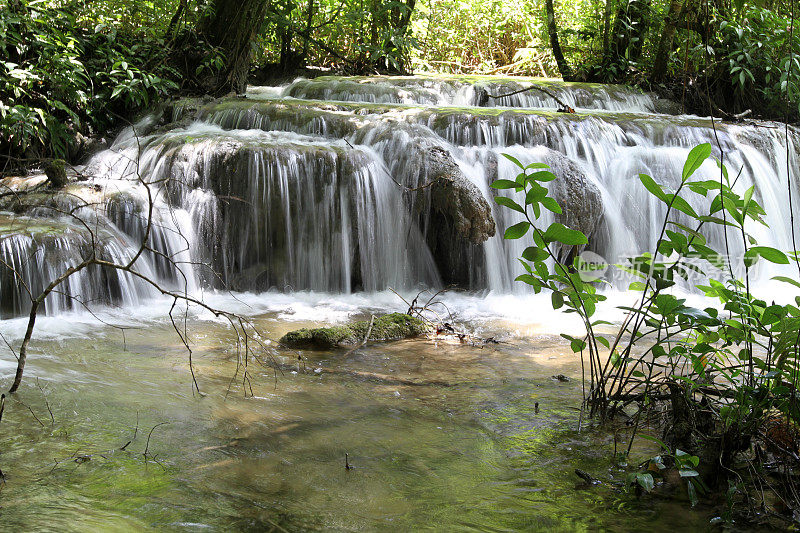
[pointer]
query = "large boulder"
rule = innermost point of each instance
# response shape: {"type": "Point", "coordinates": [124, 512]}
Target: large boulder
{"type": "Point", "coordinates": [457, 200]}
{"type": "Point", "coordinates": [451, 211]}
{"type": "Point", "coordinates": [580, 199]}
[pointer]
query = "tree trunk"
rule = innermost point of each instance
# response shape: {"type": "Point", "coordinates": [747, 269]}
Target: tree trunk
{"type": "Point", "coordinates": [639, 19]}
{"type": "Point", "coordinates": [552, 30]}
{"type": "Point", "coordinates": [630, 27]}
{"type": "Point", "coordinates": [400, 20]}
{"type": "Point", "coordinates": [175, 18]}
{"type": "Point", "coordinates": [232, 26]}
{"type": "Point", "coordinates": [665, 43]}
{"type": "Point", "coordinates": [309, 28]}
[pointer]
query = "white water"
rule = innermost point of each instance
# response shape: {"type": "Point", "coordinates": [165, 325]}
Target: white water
{"type": "Point", "coordinates": [289, 196]}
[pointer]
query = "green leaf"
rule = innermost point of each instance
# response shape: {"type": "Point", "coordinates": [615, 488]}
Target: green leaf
{"type": "Point", "coordinates": [696, 158]}
{"type": "Point", "coordinates": [697, 235]}
{"type": "Point", "coordinates": [517, 230]}
{"type": "Point", "coordinates": [681, 205]}
{"type": "Point", "coordinates": [504, 184]}
{"type": "Point", "coordinates": [514, 160]}
{"type": "Point", "coordinates": [770, 254]}
{"type": "Point", "coordinates": [645, 481]}
{"type": "Point", "coordinates": [542, 175]}
{"type": "Point", "coordinates": [534, 253]}
{"type": "Point", "coordinates": [537, 165]}
{"type": "Point", "coordinates": [550, 204]}
{"type": "Point", "coordinates": [508, 202]}
{"type": "Point", "coordinates": [559, 232]}
{"type": "Point", "coordinates": [557, 300]}
{"type": "Point", "coordinates": [748, 196]}
{"type": "Point", "coordinates": [530, 280]}
{"type": "Point", "coordinates": [692, 492]}
{"type": "Point", "coordinates": [653, 187]}
{"type": "Point", "coordinates": [577, 345]}
{"type": "Point", "coordinates": [787, 280]}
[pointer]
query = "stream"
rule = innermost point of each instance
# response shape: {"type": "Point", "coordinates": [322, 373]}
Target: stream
{"type": "Point", "coordinates": [309, 204]}
{"type": "Point", "coordinates": [441, 435]}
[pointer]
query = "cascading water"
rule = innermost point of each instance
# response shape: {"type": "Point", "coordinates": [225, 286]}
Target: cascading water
{"type": "Point", "coordinates": [325, 185]}
{"type": "Point", "coordinates": [386, 185]}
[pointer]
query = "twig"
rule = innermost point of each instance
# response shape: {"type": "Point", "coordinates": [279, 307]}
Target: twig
{"type": "Point", "coordinates": [565, 108]}
{"type": "Point", "coordinates": [52, 418]}
{"type": "Point", "coordinates": [147, 446]}
{"type": "Point", "coordinates": [366, 337]}
{"type": "Point", "coordinates": [31, 410]}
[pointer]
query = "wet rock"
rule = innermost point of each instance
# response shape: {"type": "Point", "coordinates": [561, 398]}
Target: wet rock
{"type": "Point", "coordinates": [580, 199]}
{"type": "Point", "coordinates": [457, 199]}
{"type": "Point", "coordinates": [323, 119]}
{"type": "Point", "coordinates": [56, 173]}
{"type": "Point", "coordinates": [37, 250]}
{"type": "Point", "coordinates": [451, 211]}
{"type": "Point", "coordinates": [390, 327]}
{"type": "Point", "coordinates": [86, 147]}
{"type": "Point", "coordinates": [666, 106]}
{"type": "Point", "coordinates": [460, 221]}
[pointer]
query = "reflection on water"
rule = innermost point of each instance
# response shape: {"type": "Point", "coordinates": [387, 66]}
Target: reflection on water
{"type": "Point", "coordinates": [442, 436]}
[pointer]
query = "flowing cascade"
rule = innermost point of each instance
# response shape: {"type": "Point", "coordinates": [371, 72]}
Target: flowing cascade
{"type": "Point", "coordinates": [363, 184]}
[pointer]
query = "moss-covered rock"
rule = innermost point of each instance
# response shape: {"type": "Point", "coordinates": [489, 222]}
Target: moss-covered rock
{"type": "Point", "coordinates": [56, 173]}
{"type": "Point", "coordinates": [390, 327]}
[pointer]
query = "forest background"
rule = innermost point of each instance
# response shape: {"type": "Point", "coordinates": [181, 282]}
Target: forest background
{"type": "Point", "coordinates": [74, 69]}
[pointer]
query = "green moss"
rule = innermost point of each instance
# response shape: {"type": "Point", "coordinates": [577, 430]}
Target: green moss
{"type": "Point", "coordinates": [385, 328]}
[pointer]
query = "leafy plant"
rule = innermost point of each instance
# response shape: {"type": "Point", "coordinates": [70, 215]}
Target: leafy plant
{"type": "Point", "coordinates": [722, 371]}
{"type": "Point", "coordinates": [63, 74]}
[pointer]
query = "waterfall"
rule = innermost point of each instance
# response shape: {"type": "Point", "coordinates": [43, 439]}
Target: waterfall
{"type": "Point", "coordinates": [325, 185]}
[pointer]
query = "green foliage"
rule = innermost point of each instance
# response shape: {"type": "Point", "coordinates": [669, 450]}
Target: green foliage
{"type": "Point", "coordinates": [63, 73]}
{"type": "Point", "coordinates": [762, 57]}
{"type": "Point", "coordinates": [726, 368]}
{"type": "Point", "coordinates": [482, 36]}
{"type": "Point", "coordinates": [349, 35]}
{"type": "Point", "coordinates": [742, 55]}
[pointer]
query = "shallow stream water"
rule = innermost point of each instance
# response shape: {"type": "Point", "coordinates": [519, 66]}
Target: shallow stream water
{"type": "Point", "coordinates": [441, 435]}
{"type": "Point", "coordinates": [307, 187]}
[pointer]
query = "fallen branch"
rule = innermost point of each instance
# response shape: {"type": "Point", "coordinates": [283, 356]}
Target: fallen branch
{"type": "Point", "coordinates": [565, 108]}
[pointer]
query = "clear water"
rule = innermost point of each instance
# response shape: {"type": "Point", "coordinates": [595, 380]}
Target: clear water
{"type": "Point", "coordinates": [442, 435]}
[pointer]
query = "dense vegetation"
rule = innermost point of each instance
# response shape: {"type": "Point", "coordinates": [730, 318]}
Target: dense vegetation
{"type": "Point", "coordinates": [73, 68]}
{"type": "Point", "coordinates": [715, 387]}
{"type": "Point", "coordinates": [740, 55]}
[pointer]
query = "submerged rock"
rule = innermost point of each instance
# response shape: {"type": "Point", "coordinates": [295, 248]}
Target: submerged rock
{"type": "Point", "coordinates": [394, 326]}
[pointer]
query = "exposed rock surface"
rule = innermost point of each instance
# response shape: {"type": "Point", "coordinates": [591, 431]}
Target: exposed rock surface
{"type": "Point", "coordinates": [390, 327]}
{"type": "Point", "coordinates": [578, 196]}
{"type": "Point", "coordinates": [454, 216]}
{"type": "Point", "coordinates": [458, 200]}
{"type": "Point", "coordinates": [56, 173]}
{"type": "Point", "coordinates": [667, 106]}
